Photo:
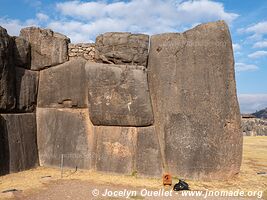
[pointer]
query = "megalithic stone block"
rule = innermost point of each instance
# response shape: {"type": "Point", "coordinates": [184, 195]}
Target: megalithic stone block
{"type": "Point", "coordinates": [115, 149]}
{"type": "Point", "coordinates": [7, 73]}
{"type": "Point", "coordinates": [118, 95]}
{"type": "Point", "coordinates": [148, 155]}
{"type": "Point", "coordinates": [63, 86]}
{"type": "Point", "coordinates": [192, 86]}
{"type": "Point", "coordinates": [127, 150]}
{"type": "Point", "coordinates": [22, 53]}
{"type": "Point", "coordinates": [48, 48]}
{"type": "Point", "coordinates": [18, 142]}
{"type": "Point", "coordinates": [26, 89]}
{"type": "Point", "coordinates": [123, 48]}
{"type": "Point", "coordinates": [65, 131]}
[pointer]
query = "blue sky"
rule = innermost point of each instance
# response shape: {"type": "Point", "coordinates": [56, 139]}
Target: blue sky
{"type": "Point", "coordinates": [83, 20]}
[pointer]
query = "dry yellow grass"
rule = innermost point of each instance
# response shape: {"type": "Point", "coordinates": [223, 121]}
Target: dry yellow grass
{"type": "Point", "coordinates": [254, 160]}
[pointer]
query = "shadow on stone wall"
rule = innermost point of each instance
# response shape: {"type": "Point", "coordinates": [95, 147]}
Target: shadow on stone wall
{"type": "Point", "coordinates": [4, 148]}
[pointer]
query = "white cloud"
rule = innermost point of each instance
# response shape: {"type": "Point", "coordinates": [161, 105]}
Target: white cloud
{"type": "Point", "coordinates": [149, 16]}
{"type": "Point", "coordinates": [258, 54]}
{"type": "Point", "coordinates": [42, 17]}
{"type": "Point", "coordinates": [258, 30]}
{"type": "Point", "coordinates": [194, 11]}
{"type": "Point", "coordinates": [14, 26]}
{"type": "Point", "coordinates": [249, 103]}
{"type": "Point", "coordinates": [83, 21]}
{"type": "Point", "coordinates": [241, 67]}
{"type": "Point", "coordinates": [260, 44]}
{"type": "Point", "coordinates": [236, 46]}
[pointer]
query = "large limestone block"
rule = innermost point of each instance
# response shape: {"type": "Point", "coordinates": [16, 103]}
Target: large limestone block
{"type": "Point", "coordinates": [123, 48]}
{"type": "Point", "coordinates": [26, 89]}
{"type": "Point", "coordinates": [118, 95]}
{"type": "Point", "coordinates": [115, 149]}
{"type": "Point", "coordinates": [148, 155]}
{"type": "Point", "coordinates": [127, 150]}
{"type": "Point", "coordinates": [63, 86]}
{"type": "Point", "coordinates": [18, 142]}
{"type": "Point", "coordinates": [64, 131]}
{"type": "Point", "coordinates": [7, 73]}
{"type": "Point", "coordinates": [47, 47]}
{"type": "Point", "coordinates": [192, 85]}
{"type": "Point", "coordinates": [22, 53]}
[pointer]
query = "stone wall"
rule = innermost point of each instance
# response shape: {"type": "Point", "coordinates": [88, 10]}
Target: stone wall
{"type": "Point", "coordinates": [124, 104]}
{"type": "Point", "coordinates": [82, 50]}
{"type": "Point", "coordinates": [18, 97]}
{"type": "Point", "coordinates": [254, 127]}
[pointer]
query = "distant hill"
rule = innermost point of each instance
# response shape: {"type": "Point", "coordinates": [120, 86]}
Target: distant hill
{"type": "Point", "coordinates": [261, 114]}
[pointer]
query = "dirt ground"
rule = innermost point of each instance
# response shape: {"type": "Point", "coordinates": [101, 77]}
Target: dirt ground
{"type": "Point", "coordinates": [47, 184]}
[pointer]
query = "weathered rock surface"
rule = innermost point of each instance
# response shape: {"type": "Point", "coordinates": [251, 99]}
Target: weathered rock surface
{"type": "Point", "coordinates": [22, 53]}
{"type": "Point", "coordinates": [127, 150]}
{"type": "Point", "coordinates": [63, 86]}
{"type": "Point", "coordinates": [148, 156]}
{"type": "Point", "coordinates": [254, 127]}
{"type": "Point", "coordinates": [192, 85]}
{"type": "Point", "coordinates": [115, 150]}
{"type": "Point", "coordinates": [26, 89]}
{"type": "Point", "coordinates": [64, 131]}
{"type": "Point", "coordinates": [47, 47]}
{"type": "Point", "coordinates": [118, 95]}
{"type": "Point", "coordinates": [123, 48]}
{"type": "Point", "coordinates": [18, 142]}
{"type": "Point", "coordinates": [7, 73]}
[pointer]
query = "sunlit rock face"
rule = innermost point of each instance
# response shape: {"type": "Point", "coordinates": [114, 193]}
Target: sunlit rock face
{"type": "Point", "coordinates": [193, 91]}
{"type": "Point", "coordinates": [117, 107]}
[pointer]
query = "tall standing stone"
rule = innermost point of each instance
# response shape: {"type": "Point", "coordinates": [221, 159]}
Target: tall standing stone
{"type": "Point", "coordinates": [192, 85]}
{"type": "Point", "coordinates": [48, 48]}
{"type": "Point", "coordinates": [26, 89]}
{"type": "Point", "coordinates": [148, 156]}
{"type": "Point", "coordinates": [18, 137]}
{"type": "Point", "coordinates": [22, 53]}
{"type": "Point", "coordinates": [7, 73]}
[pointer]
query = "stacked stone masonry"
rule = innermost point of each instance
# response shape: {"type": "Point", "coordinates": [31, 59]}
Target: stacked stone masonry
{"type": "Point", "coordinates": [82, 50]}
{"type": "Point", "coordinates": [126, 104]}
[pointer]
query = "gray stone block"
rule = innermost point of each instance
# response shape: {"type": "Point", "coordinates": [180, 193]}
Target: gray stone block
{"type": "Point", "coordinates": [148, 155]}
{"type": "Point", "coordinates": [123, 48]}
{"type": "Point", "coordinates": [115, 149]}
{"type": "Point", "coordinates": [18, 142]}
{"type": "Point", "coordinates": [22, 53]}
{"type": "Point", "coordinates": [64, 131]}
{"type": "Point", "coordinates": [192, 86]}
{"type": "Point", "coordinates": [63, 86]}
{"type": "Point", "coordinates": [128, 150]}
{"type": "Point", "coordinates": [26, 89]}
{"type": "Point", "coordinates": [118, 95]}
{"type": "Point", "coordinates": [7, 73]}
{"type": "Point", "coordinates": [47, 47]}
